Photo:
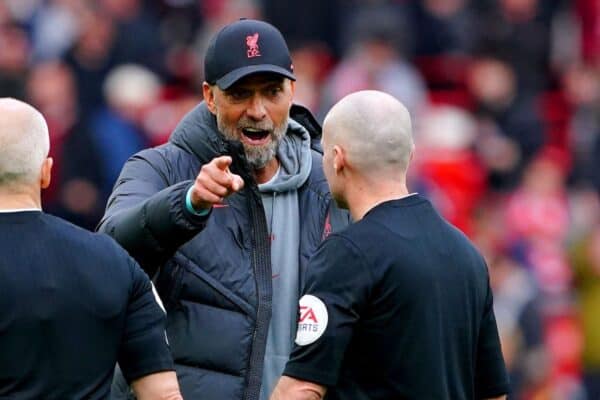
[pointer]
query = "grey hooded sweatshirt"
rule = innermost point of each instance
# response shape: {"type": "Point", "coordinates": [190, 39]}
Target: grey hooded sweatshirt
{"type": "Point", "coordinates": [280, 201]}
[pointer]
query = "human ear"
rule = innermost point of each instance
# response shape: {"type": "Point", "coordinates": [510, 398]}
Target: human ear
{"type": "Point", "coordinates": [46, 173]}
{"type": "Point", "coordinates": [339, 159]}
{"type": "Point", "coordinates": [208, 92]}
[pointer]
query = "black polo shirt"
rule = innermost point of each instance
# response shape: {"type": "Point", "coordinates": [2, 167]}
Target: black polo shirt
{"type": "Point", "coordinates": [398, 306]}
{"type": "Point", "coordinates": [73, 304]}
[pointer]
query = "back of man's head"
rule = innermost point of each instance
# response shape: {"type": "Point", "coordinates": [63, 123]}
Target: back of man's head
{"type": "Point", "coordinates": [375, 131]}
{"type": "Point", "coordinates": [24, 144]}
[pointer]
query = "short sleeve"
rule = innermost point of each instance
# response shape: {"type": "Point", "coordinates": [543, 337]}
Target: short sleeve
{"type": "Point", "coordinates": [144, 349]}
{"type": "Point", "coordinates": [491, 378]}
{"type": "Point", "coordinates": [335, 293]}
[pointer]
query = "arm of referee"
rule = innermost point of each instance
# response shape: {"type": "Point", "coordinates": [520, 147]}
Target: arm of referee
{"type": "Point", "coordinates": [159, 386]}
{"type": "Point", "coordinates": [144, 355]}
{"type": "Point", "coordinates": [289, 388]}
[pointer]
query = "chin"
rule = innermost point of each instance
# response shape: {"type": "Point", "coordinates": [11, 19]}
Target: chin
{"type": "Point", "coordinates": [259, 157]}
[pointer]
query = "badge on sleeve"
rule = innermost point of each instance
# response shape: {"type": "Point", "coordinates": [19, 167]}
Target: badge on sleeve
{"type": "Point", "coordinates": [157, 298]}
{"type": "Point", "coordinates": [312, 320]}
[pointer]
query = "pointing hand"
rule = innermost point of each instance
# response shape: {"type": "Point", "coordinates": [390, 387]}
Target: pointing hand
{"type": "Point", "coordinates": [214, 183]}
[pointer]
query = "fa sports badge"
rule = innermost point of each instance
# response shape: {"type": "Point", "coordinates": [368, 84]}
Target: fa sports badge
{"type": "Point", "coordinates": [312, 320]}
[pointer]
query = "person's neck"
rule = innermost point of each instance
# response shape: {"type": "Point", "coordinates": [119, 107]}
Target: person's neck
{"type": "Point", "coordinates": [265, 174]}
{"type": "Point", "coordinates": [19, 201]}
{"type": "Point", "coordinates": [363, 197]}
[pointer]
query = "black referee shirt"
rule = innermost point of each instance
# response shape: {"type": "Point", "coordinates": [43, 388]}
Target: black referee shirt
{"type": "Point", "coordinates": [398, 306]}
{"type": "Point", "coordinates": [73, 304]}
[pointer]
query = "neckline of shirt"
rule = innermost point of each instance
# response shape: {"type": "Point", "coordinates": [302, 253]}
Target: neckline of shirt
{"type": "Point", "coordinates": [16, 210]}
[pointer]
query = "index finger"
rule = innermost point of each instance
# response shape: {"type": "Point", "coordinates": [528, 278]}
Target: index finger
{"type": "Point", "coordinates": [222, 162]}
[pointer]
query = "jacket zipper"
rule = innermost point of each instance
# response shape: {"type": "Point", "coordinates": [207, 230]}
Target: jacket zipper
{"type": "Point", "coordinates": [261, 263]}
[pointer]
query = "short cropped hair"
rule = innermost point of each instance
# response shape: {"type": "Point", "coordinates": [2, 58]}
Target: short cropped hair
{"type": "Point", "coordinates": [24, 143]}
{"type": "Point", "coordinates": [375, 130]}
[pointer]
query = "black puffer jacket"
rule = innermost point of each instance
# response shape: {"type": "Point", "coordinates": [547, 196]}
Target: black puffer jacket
{"type": "Point", "coordinates": [213, 273]}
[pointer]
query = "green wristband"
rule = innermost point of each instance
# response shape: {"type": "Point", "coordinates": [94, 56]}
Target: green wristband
{"type": "Point", "coordinates": [190, 207]}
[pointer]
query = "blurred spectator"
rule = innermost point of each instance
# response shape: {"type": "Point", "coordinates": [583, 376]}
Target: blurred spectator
{"type": "Point", "coordinates": [179, 21]}
{"type": "Point", "coordinates": [91, 57]}
{"type": "Point", "coordinates": [5, 15]}
{"type": "Point", "coordinates": [312, 64]}
{"type": "Point", "coordinates": [448, 169]}
{"type": "Point", "coordinates": [520, 325]}
{"type": "Point", "coordinates": [55, 27]}
{"type": "Point", "coordinates": [582, 89]}
{"type": "Point", "coordinates": [373, 61]}
{"type": "Point", "coordinates": [22, 10]}
{"type": "Point", "coordinates": [137, 36]}
{"type": "Point", "coordinates": [537, 222]}
{"type": "Point", "coordinates": [516, 304]}
{"type": "Point", "coordinates": [589, 14]}
{"type": "Point", "coordinates": [313, 22]}
{"type": "Point", "coordinates": [511, 130]}
{"type": "Point", "coordinates": [442, 27]}
{"type": "Point", "coordinates": [219, 13]}
{"type": "Point", "coordinates": [585, 256]}
{"type": "Point", "coordinates": [519, 31]}
{"type": "Point", "coordinates": [584, 210]}
{"type": "Point", "coordinates": [117, 130]}
{"type": "Point", "coordinates": [160, 120]}
{"type": "Point", "coordinates": [51, 88]}
{"type": "Point", "coordinates": [14, 58]}
{"type": "Point", "coordinates": [388, 20]}
{"type": "Point", "coordinates": [564, 343]}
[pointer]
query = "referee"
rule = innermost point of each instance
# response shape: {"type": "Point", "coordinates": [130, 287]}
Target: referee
{"type": "Point", "coordinates": [397, 306]}
{"type": "Point", "coordinates": [73, 302]}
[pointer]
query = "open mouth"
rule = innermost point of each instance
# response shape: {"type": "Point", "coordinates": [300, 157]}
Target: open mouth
{"type": "Point", "coordinates": [256, 136]}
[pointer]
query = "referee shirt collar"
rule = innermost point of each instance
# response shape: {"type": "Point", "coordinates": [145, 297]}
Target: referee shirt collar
{"type": "Point", "coordinates": [13, 210]}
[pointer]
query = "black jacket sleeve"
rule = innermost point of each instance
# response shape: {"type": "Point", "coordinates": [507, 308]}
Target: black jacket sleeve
{"type": "Point", "coordinates": [146, 213]}
{"type": "Point", "coordinates": [144, 348]}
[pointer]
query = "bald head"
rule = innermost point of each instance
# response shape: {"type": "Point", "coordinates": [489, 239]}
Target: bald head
{"type": "Point", "coordinates": [24, 143]}
{"type": "Point", "coordinates": [374, 129]}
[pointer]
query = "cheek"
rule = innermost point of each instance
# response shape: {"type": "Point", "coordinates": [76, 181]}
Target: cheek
{"type": "Point", "coordinates": [328, 171]}
{"type": "Point", "coordinates": [278, 115]}
{"type": "Point", "coordinates": [280, 111]}
{"type": "Point", "coordinates": [228, 115]}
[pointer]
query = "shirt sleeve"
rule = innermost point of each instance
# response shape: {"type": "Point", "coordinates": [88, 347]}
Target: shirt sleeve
{"type": "Point", "coordinates": [334, 296]}
{"type": "Point", "coordinates": [491, 378]}
{"type": "Point", "coordinates": [144, 348]}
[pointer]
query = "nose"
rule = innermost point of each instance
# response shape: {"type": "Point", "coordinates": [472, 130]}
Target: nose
{"type": "Point", "coordinates": [256, 109]}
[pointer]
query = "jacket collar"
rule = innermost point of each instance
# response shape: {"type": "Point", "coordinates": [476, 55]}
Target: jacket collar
{"type": "Point", "coordinates": [198, 133]}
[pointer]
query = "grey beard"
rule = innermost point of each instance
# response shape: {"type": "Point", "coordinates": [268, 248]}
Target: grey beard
{"type": "Point", "coordinates": [257, 157]}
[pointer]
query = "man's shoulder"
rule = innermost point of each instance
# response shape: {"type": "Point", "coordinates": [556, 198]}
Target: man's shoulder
{"type": "Point", "coordinates": [196, 134]}
{"type": "Point", "coordinates": [168, 160]}
{"type": "Point", "coordinates": [74, 238]}
{"type": "Point", "coordinates": [304, 117]}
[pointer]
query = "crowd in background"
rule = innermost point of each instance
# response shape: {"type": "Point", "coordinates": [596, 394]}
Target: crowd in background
{"type": "Point", "coordinates": [505, 98]}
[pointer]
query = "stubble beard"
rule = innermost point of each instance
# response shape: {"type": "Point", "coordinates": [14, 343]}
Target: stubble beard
{"type": "Point", "coordinates": [257, 156]}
